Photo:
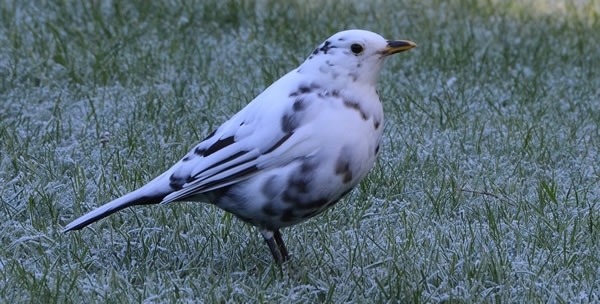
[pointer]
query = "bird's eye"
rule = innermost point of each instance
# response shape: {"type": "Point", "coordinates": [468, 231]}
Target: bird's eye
{"type": "Point", "coordinates": [356, 48]}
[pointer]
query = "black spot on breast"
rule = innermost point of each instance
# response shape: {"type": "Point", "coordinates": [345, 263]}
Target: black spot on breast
{"type": "Point", "coordinates": [220, 144]}
{"type": "Point", "coordinates": [376, 124]}
{"type": "Point", "coordinates": [316, 51]}
{"type": "Point", "coordinates": [269, 189]}
{"type": "Point", "coordinates": [356, 106]}
{"type": "Point", "coordinates": [299, 182]}
{"type": "Point", "coordinates": [308, 165]}
{"type": "Point", "coordinates": [288, 215]}
{"type": "Point", "coordinates": [377, 149]}
{"type": "Point", "coordinates": [269, 210]}
{"type": "Point", "coordinates": [342, 165]}
{"type": "Point", "coordinates": [187, 158]}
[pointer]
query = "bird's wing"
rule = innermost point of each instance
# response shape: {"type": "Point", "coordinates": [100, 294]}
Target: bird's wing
{"type": "Point", "coordinates": [261, 136]}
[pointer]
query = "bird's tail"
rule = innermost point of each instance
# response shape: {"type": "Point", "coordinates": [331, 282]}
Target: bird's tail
{"type": "Point", "coordinates": [150, 194]}
{"type": "Point", "coordinates": [137, 197]}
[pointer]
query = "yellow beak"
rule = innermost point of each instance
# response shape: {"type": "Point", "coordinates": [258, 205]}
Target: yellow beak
{"type": "Point", "coordinates": [397, 46]}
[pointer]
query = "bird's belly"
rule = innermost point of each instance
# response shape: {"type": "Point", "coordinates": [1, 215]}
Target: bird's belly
{"type": "Point", "coordinates": [289, 194]}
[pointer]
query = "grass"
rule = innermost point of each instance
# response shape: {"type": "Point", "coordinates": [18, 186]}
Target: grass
{"type": "Point", "coordinates": [487, 189]}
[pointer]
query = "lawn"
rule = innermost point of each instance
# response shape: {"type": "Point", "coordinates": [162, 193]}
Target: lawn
{"type": "Point", "coordinates": [487, 188]}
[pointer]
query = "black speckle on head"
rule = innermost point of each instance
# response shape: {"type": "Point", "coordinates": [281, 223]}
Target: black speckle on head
{"type": "Point", "coordinates": [329, 63]}
{"type": "Point", "coordinates": [376, 124]}
{"type": "Point", "coordinates": [326, 47]}
{"type": "Point", "coordinates": [316, 51]}
{"type": "Point", "coordinates": [356, 106]}
{"type": "Point", "coordinates": [341, 39]}
{"type": "Point", "coordinates": [269, 189]}
{"type": "Point", "coordinates": [220, 144]}
{"type": "Point", "coordinates": [310, 57]}
{"type": "Point", "coordinates": [186, 158]}
{"type": "Point", "coordinates": [342, 165]}
{"type": "Point", "coordinates": [269, 210]}
{"type": "Point", "coordinates": [358, 65]}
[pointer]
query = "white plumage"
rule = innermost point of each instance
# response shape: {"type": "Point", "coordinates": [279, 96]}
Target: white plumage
{"type": "Point", "coordinates": [293, 151]}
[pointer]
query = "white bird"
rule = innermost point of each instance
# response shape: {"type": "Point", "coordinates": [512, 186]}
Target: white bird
{"type": "Point", "coordinates": [293, 151]}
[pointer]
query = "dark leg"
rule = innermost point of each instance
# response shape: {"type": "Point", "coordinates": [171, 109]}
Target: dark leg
{"type": "Point", "coordinates": [275, 251]}
{"type": "Point", "coordinates": [284, 252]}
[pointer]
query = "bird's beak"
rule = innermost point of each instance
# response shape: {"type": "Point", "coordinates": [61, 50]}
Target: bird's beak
{"type": "Point", "coordinates": [397, 46]}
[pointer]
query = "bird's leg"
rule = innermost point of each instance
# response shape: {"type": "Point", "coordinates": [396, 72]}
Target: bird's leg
{"type": "Point", "coordinates": [270, 240]}
{"type": "Point", "coordinates": [284, 252]}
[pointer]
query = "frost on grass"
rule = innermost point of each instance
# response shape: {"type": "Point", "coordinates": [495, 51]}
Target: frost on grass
{"type": "Point", "coordinates": [486, 188]}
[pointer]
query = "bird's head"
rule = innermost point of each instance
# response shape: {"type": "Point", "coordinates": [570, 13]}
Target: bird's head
{"type": "Point", "coordinates": [354, 55]}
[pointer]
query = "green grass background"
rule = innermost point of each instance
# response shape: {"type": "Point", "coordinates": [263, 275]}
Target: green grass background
{"type": "Point", "coordinates": [487, 189]}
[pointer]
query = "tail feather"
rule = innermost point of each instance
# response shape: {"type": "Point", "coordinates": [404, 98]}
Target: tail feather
{"type": "Point", "coordinates": [128, 200]}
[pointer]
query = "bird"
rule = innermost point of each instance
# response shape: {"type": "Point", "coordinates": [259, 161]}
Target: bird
{"type": "Point", "coordinates": [292, 152]}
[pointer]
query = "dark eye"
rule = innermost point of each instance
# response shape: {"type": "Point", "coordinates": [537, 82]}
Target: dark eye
{"type": "Point", "coordinates": [356, 48]}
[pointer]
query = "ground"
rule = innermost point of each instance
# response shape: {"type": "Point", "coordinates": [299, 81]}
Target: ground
{"type": "Point", "coordinates": [487, 187]}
